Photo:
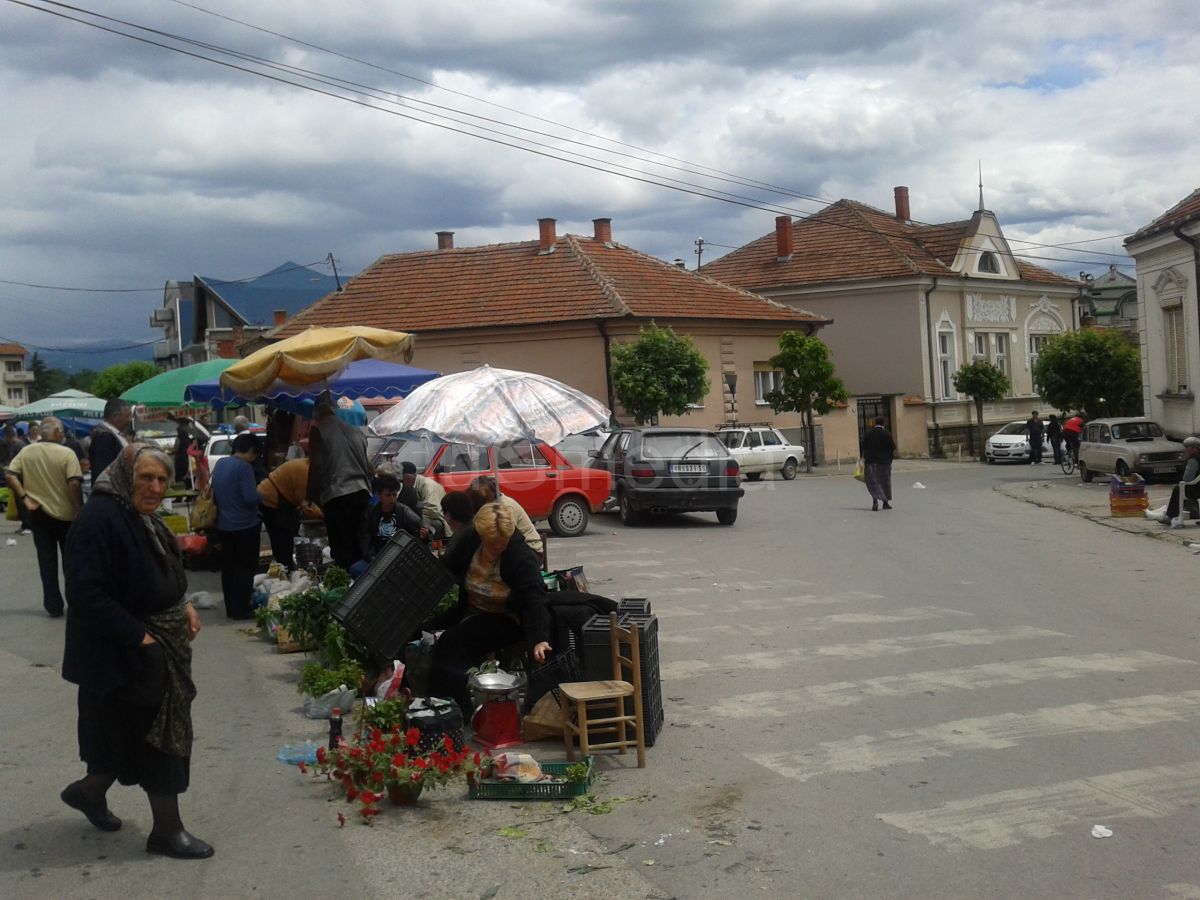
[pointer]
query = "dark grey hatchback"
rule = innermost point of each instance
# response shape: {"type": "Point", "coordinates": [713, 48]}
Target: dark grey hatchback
{"type": "Point", "coordinates": [670, 470]}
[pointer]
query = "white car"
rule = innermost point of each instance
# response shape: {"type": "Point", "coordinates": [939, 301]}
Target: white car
{"type": "Point", "coordinates": [759, 449]}
{"type": "Point", "coordinates": [220, 445]}
{"type": "Point", "coordinates": [1011, 444]}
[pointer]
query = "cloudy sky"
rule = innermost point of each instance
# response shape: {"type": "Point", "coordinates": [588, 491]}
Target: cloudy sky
{"type": "Point", "coordinates": [126, 164]}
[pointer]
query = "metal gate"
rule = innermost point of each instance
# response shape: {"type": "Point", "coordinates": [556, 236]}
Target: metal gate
{"type": "Point", "coordinates": [870, 409]}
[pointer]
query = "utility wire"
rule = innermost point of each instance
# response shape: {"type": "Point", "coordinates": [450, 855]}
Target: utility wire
{"type": "Point", "coordinates": [603, 166]}
{"type": "Point", "coordinates": [86, 290]}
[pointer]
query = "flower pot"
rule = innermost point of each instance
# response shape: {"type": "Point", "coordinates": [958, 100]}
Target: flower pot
{"type": "Point", "coordinates": [405, 794]}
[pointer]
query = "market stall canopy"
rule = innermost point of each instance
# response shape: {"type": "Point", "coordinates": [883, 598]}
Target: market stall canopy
{"type": "Point", "coordinates": [365, 378]}
{"type": "Point", "coordinates": [7, 412]}
{"type": "Point", "coordinates": [64, 403]}
{"type": "Point", "coordinates": [313, 356]}
{"type": "Point", "coordinates": [169, 388]}
{"type": "Point", "coordinates": [494, 406]}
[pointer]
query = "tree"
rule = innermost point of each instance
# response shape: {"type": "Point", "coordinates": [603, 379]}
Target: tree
{"type": "Point", "coordinates": [808, 384]}
{"type": "Point", "coordinates": [1096, 372]}
{"type": "Point", "coordinates": [46, 381]}
{"type": "Point", "coordinates": [658, 373]}
{"type": "Point", "coordinates": [116, 380]}
{"type": "Point", "coordinates": [983, 383]}
{"type": "Point", "coordinates": [82, 380]}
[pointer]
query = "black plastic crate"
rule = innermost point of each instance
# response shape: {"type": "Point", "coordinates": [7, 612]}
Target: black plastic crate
{"type": "Point", "coordinates": [597, 664]}
{"type": "Point", "coordinates": [388, 602]}
{"type": "Point", "coordinates": [634, 606]}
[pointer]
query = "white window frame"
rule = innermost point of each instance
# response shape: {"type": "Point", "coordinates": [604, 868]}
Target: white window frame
{"type": "Point", "coordinates": [16, 393]}
{"type": "Point", "coordinates": [947, 359]}
{"type": "Point", "coordinates": [987, 256]}
{"type": "Point", "coordinates": [1175, 349]}
{"type": "Point", "coordinates": [1001, 355]}
{"type": "Point", "coordinates": [1037, 343]}
{"type": "Point", "coordinates": [765, 381]}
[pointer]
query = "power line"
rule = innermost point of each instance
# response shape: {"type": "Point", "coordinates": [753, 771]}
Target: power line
{"type": "Point", "coordinates": [86, 290]}
{"type": "Point", "coordinates": [536, 148]}
{"type": "Point", "coordinates": [28, 346]}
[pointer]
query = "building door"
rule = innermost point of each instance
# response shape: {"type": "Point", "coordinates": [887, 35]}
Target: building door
{"type": "Point", "coordinates": [869, 409]}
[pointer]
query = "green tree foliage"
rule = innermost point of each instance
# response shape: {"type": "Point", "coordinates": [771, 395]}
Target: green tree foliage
{"type": "Point", "coordinates": [82, 380]}
{"type": "Point", "coordinates": [46, 381]}
{"type": "Point", "coordinates": [983, 383]}
{"type": "Point", "coordinates": [659, 373]}
{"type": "Point", "coordinates": [1098, 373]}
{"type": "Point", "coordinates": [115, 380]}
{"type": "Point", "coordinates": [808, 384]}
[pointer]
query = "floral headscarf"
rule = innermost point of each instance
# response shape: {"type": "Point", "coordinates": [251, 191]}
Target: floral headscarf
{"type": "Point", "coordinates": [117, 482]}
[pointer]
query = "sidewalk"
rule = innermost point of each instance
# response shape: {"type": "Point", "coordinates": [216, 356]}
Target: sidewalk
{"type": "Point", "coordinates": [1090, 501]}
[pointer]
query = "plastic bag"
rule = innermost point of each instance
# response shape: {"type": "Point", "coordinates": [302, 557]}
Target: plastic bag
{"type": "Point", "coordinates": [322, 707]}
{"type": "Point", "coordinates": [389, 684]}
{"type": "Point", "coordinates": [859, 475]}
{"type": "Point", "coordinates": [294, 754]}
{"type": "Point", "coordinates": [202, 600]}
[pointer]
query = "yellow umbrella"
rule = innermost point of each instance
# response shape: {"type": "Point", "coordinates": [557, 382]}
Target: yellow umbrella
{"type": "Point", "coordinates": [314, 355]}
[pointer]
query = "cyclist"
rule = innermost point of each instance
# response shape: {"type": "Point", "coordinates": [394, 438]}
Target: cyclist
{"type": "Point", "coordinates": [1072, 430]}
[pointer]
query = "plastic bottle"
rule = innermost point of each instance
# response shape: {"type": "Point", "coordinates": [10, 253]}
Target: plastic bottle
{"type": "Point", "coordinates": [335, 728]}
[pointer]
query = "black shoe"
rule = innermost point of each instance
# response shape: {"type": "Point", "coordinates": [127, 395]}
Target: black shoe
{"type": "Point", "coordinates": [97, 813]}
{"type": "Point", "coordinates": [54, 614]}
{"type": "Point", "coordinates": [886, 505]}
{"type": "Point", "coordinates": [875, 507]}
{"type": "Point", "coordinates": [180, 845]}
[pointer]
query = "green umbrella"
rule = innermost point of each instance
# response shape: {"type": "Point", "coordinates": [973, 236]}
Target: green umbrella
{"type": "Point", "coordinates": [167, 389]}
{"type": "Point", "coordinates": [65, 403]}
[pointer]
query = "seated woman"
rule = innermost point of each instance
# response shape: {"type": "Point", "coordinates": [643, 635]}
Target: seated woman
{"type": "Point", "coordinates": [502, 600]}
{"type": "Point", "coordinates": [382, 520]}
{"type": "Point", "coordinates": [1191, 450]}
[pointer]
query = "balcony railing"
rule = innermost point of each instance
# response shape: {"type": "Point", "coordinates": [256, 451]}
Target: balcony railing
{"type": "Point", "coordinates": [22, 377]}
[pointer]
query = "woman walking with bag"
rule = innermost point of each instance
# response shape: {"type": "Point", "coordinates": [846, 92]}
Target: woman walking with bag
{"type": "Point", "coordinates": [128, 647]}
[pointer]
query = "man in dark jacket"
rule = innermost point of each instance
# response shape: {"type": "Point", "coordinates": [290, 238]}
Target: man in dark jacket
{"type": "Point", "coordinates": [1054, 434]}
{"type": "Point", "coordinates": [395, 511]}
{"type": "Point", "coordinates": [1036, 431]}
{"type": "Point", "coordinates": [339, 480]}
{"type": "Point", "coordinates": [110, 437]}
{"type": "Point", "coordinates": [878, 449]}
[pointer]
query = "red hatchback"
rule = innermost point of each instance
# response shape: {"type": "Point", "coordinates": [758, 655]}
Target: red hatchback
{"type": "Point", "coordinates": [534, 474]}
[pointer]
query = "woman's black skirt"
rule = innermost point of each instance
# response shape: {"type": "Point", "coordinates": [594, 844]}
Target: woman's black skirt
{"type": "Point", "coordinates": [112, 739]}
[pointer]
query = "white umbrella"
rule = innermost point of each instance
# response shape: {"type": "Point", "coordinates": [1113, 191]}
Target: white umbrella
{"type": "Point", "coordinates": [68, 402]}
{"type": "Point", "coordinates": [493, 406]}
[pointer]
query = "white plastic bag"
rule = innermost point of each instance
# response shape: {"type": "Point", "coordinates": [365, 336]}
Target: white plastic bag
{"type": "Point", "coordinates": [322, 707]}
{"type": "Point", "coordinates": [202, 600]}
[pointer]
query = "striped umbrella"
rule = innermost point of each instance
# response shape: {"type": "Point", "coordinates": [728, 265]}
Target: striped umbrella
{"type": "Point", "coordinates": [493, 406]}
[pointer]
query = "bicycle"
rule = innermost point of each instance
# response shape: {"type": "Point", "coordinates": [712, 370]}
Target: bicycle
{"type": "Point", "coordinates": [1069, 460]}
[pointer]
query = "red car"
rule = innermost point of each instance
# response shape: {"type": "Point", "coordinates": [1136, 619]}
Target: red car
{"type": "Point", "coordinates": [534, 474]}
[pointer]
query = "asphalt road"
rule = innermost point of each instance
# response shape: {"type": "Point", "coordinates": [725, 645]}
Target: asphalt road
{"type": "Point", "coordinates": [941, 700]}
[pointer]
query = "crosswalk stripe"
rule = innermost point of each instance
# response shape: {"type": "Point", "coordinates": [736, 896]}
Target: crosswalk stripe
{"type": "Point", "coordinates": [1007, 818]}
{"type": "Point", "coordinates": [775, 704]}
{"type": "Point", "coordinates": [865, 752]}
{"type": "Point", "coordinates": [810, 625]}
{"type": "Point", "coordinates": [778, 659]}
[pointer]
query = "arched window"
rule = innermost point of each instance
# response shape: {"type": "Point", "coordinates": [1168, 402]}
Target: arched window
{"type": "Point", "coordinates": [987, 262]}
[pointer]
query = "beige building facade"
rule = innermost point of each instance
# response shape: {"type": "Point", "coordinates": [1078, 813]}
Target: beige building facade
{"type": "Point", "coordinates": [15, 380]}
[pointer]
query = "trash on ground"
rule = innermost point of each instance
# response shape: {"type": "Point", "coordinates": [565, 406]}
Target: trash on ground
{"type": "Point", "coordinates": [917, 486]}
{"type": "Point", "coordinates": [1099, 831]}
{"type": "Point", "coordinates": [11, 542]}
{"type": "Point", "coordinates": [202, 600]}
{"type": "Point", "coordinates": [294, 754]}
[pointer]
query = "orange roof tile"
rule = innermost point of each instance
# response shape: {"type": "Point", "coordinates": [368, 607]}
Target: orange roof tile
{"type": "Point", "coordinates": [850, 241]}
{"type": "Point", "coordinates": [1184, 211]}
{"type": "Point", "coordinates": [11, 350]}
{"type": "Point", "coordinates": [514, 284]}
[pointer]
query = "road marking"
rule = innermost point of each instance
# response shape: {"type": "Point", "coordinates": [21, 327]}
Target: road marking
{"type": "Point", "coordinates": [1008, 818]}
{"type": "Point", "coordinates": [779, 659]}
{"type": "Point", "coordinates": [812, 624]}
{"type": "Point", "coordinates": [817, 697]}
{"type": "Point", "coordinates": [865, 752]}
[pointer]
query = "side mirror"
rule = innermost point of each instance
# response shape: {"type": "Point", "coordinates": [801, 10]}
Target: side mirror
{"type": "Point", "coordinates": [593, 454]}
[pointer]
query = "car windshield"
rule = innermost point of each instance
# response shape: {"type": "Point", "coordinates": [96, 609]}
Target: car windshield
{"type": "Point", "coordinates": [732, 439]}
{"type": "Point", "coordinates": [674, 445]}
{"type": "Point", "coordinates": [1013, 428]}
{"type": "Point", "coordinates": [419, 453]}
{"type": "Point", "coordinates": [1136, 431]}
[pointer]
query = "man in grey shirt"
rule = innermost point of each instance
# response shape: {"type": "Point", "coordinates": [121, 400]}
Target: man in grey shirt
{"type": "Point", "coordinates": [339, 480]}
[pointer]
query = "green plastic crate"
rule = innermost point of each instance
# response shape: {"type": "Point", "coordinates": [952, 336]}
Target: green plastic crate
{"type": "Point", "coordinates": [483, 789]}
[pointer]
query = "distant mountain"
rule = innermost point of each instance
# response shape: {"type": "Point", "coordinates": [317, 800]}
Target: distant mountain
{"type": "Point", "coordinates": [97, 356]}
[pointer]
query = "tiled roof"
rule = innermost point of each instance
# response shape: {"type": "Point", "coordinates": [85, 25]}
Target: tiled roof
{"type": "Point", "coordinates": [1184, 211]}
{"type": "Point", "coordinates": [514, 284]}
{"type": "Point", "coordinates": [11, 350]}
{"type": "Point", "coordinates": [850, 241]}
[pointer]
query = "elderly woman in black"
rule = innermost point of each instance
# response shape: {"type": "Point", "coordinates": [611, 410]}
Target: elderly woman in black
{"type": "Point", "coordinates": [502, 600]}
{"type": "Point", "coordinates": [128, 648]}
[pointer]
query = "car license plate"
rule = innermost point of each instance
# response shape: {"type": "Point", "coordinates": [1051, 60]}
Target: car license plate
{"type": "Point", "coordinates": [1171, 468]}
{"type": "Point", "coordinates": [688, 469]}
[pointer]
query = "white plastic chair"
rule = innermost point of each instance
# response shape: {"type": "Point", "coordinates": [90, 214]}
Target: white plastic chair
{"type": "Point", "coordinates": [1181, 514]}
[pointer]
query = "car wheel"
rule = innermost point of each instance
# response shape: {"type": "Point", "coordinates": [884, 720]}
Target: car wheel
{"type": "Point", "coordinates": [569, 518]}
{"type": "Point", "coordinates": [1085, 474]}
{"type": "Point", "coordinates": [629, 515]}
{"type": "Point", "coordinates": [789, 469]}
{"type": "Point", "coordinates": [991, 460]}
{"type": "Point", "coordinates": [753, 476]}
{"type": "Point", "coordinates": [727, 516]}
{"type": "Point", "coordinates": [1122, 468]}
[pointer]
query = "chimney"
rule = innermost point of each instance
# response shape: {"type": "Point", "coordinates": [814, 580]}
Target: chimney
{"type": "Point", "coordinates": [280, 316]}
{"type": "Point", "coordinates": [603, 230]}
{"type": "Point", "coordinates": [902, 203]}
{"type": "Point", "coordinates": [546, 235]}
{"type": "Point", "coordinates": [445, 240]}
{"type": "Point", "coordinates": [783, 238]}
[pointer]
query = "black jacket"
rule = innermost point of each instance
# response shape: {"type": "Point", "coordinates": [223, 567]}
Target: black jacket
{"type": "Point", "coordinates": [408, 519]}
{"type": "Point", "coordinates": [877, 445]}
{"type": "Point", "coordinates": [520, 569]}
{"type": "Point", "coordinates": [114, 577]}
{"type": "Point", "coordinates": [104, 448]}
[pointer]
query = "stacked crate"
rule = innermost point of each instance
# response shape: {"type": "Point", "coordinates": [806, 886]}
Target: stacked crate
{"type": "Point", "coordinates": [1127, 496]}
{"type": "Point", "coordinates": [597, 658]}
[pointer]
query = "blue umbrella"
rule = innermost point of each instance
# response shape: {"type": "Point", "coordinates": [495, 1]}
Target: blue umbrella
{"type": "Point", "coordinates": [364, 378]}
